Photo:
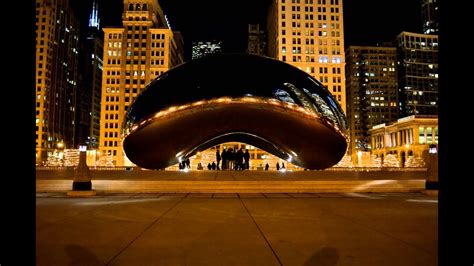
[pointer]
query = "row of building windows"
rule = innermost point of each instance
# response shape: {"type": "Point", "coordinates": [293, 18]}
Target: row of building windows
{"type": "Point", "coordinates": [137, 18]}
{"type": "Point", "coordinates": [137, 7]}
{"type": "Point", "coordinates": [310, 50]}
{"type": "Point", "coordinates": [111, 125]}
{"type": "Point", "coordinates": [110, 134]}
{"type": "Point", "coordinates": [320, 2]}
{"type": "Point", "coordinates": [112, 81]}
{"type": "Point", "coordinates": [111, 116]}
{"type": "Point", "coordinates": [111, 98]}
{"type": "Point", "coordinates": [110, 143]}
{"type": "Point", "coordinates": [112, 90]}
{"type": "Point", "coordinates": [111, 107]}
{"type": "Point", "coordinates": [115, 36]}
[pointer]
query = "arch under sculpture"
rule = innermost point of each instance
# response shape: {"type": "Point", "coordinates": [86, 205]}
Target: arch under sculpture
{"type": "Point", "coordinates": [235, 97]}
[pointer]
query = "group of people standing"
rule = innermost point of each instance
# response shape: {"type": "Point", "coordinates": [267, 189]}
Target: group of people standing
{"type": "Point", "coordinates": [233, 159]}
{"type": "Point", "coordinates": [185, 164]}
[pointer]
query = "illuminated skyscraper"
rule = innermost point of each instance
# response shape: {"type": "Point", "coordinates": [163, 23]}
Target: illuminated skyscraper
{"type": "Point", "coordinates": [308, 34]}
{"type": "Point", "coordinates": [372, 88]}
{"type": "Point", "coordinates": [90, 81]}
{"type": "Point", "coordinates": [418, 73]}
{"type": "Point", "coordinates": [57, 45]}
{"type": "Point", "coordinates": [429, 16]}
{"type": "Point", "coordinates": [202, 49]}
{"type": "Point", "coordinates": [144, 48]}
{"type": "Point", "coordinates": [257, 40]}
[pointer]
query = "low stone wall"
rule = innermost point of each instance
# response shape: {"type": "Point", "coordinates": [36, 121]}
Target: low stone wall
{"type": "Point", "coordinates": [139, 181]}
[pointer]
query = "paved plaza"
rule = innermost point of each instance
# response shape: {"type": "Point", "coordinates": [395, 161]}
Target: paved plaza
{"type": "Point", "coordinates": [237, 229]}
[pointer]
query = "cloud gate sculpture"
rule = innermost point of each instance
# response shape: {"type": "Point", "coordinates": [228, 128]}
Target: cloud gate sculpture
{"type": "Point", "coordinates": [234, 97]}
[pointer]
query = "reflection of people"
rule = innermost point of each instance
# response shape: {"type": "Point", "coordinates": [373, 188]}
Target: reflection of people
{"type": "Point", "coordinates": [266, 167]}
{"type": "Point", "coordinates": [278, 166]}
{"type": "Point", "coordinates": [246, 158]}
{"type": "Point", "coordinates": [224, 159]}
{"type": "Point", "coordinates": [218, 158]}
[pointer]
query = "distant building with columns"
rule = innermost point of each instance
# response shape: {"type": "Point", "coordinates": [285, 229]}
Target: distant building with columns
{"type": "Point", "coordinates": [408, 136]}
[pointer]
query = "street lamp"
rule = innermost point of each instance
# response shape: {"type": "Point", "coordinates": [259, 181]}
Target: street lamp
{"type": "Point", "coordinates": [433, 149]}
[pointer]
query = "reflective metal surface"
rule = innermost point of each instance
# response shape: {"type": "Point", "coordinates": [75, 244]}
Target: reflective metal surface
{"type": "Point", "coordinates": [234, 97]}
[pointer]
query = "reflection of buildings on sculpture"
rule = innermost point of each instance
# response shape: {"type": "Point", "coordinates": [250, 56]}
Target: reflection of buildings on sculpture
{"type": "Point", "coordinates": [409, 136]}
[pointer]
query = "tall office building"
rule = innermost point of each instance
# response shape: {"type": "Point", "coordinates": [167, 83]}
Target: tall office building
{"type": "Point", "coordinates": [90, 81]}
{"type": "Point", "coordinates": [308, 34]}
{"type": "Point", "coordinates": [202, 49]}
{"type": "Point", "coordinates": [372, 88]}
{"type": "Point", "coordinates": [429, 16]}
{"type": "Point", "coordinates": [257, 40]}
{"type": "Point", "coordinates": [134, 55]}
{"type": "Point", "coordinates": [417, 73]}
{"type": "Point", "coordinates": [57, 45]}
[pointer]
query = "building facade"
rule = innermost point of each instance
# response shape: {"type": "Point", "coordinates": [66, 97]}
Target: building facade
{"type": "Point", "coordinates": [309, 35]}
{"type": "Point", "coordinates": [408, 136]}
{"type": "Point", "coordinates": [134, 54]}
{"type": "Point", "coordinates": [257, 40]}
{"type": "Point", "coordinates": [202, 49]}
{"type": "Point", "coordinates": [429, 16]}
{"type": "Point", "coordinates": [57, 48]}
{"type": "Point", "coordinates": [372, 88]}
{"type": "Point", "coordinates": [90, 84]}
{"type": "Point", "coordinates": [417, 73]}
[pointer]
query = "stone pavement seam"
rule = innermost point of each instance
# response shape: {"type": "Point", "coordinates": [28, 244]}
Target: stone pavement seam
{"type": "Point", "coordinates": [69, 217]}
{"type": "Point", "coordinates": [260, 230]}
{"type": "Point", "coordinates": [383, 233]}
{"type": "Point", "coordinates": [146, 229]}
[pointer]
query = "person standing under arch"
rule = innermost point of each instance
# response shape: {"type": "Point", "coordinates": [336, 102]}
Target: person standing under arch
{"type": "Point", "coordinates": [218, 158]}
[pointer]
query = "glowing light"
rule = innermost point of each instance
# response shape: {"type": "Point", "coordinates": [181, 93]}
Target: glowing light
{"type": "Point", "coordinates": [248, 99]}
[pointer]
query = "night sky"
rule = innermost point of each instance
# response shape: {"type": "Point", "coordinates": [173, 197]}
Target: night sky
{"type": "Point", "coordinates": [366, 22]}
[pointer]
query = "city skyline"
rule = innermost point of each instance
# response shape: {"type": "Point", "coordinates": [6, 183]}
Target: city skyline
{"type": "Point", "coordinates": [200, 21]}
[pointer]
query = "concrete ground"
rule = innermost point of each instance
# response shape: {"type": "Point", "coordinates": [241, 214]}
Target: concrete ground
{"type": "Point", "coordinates": [237, 229]}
